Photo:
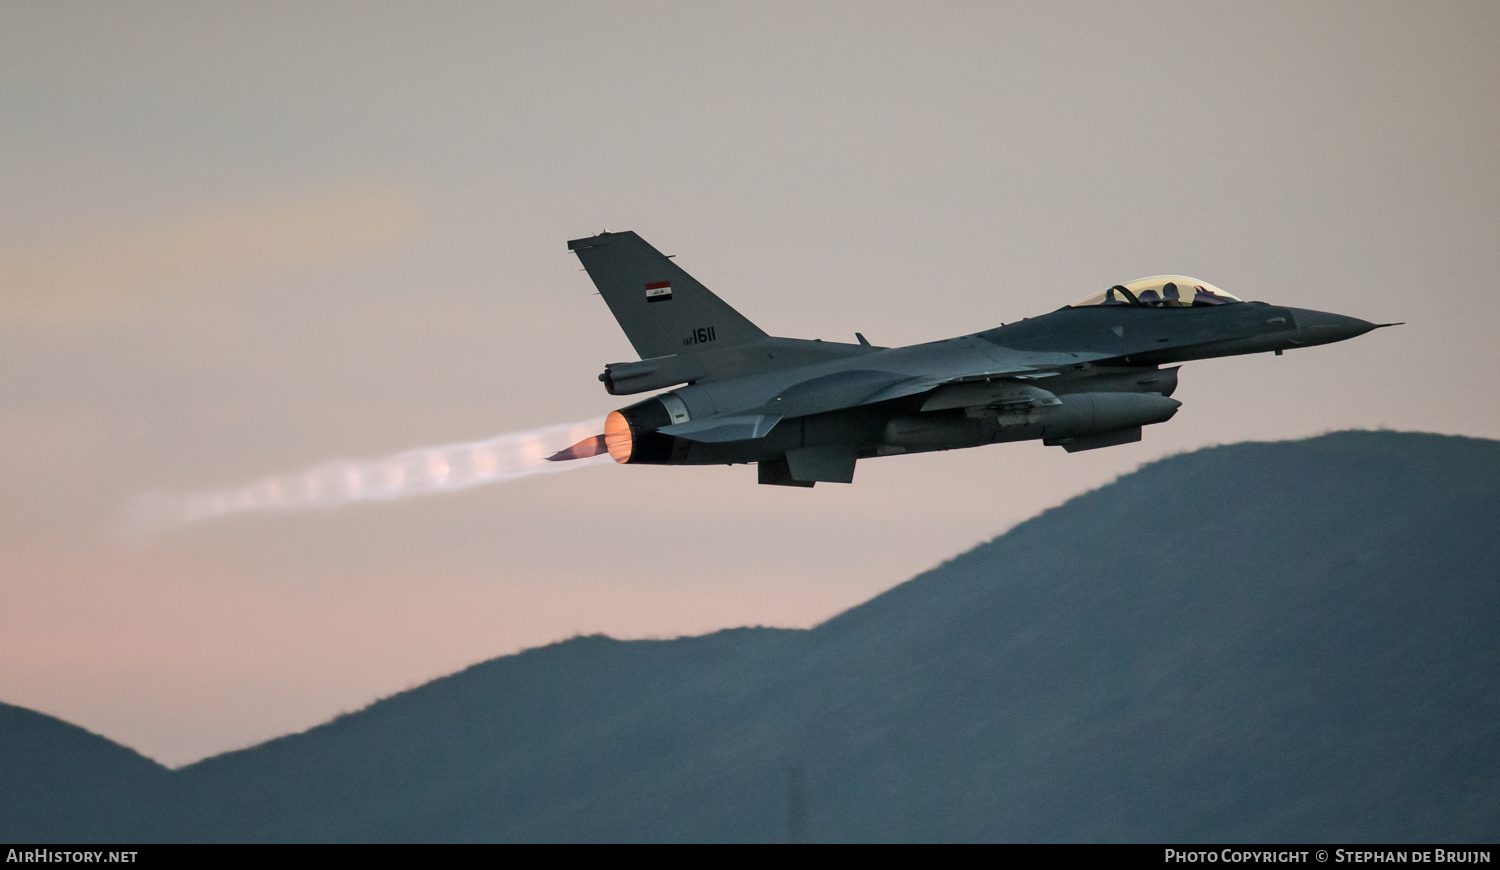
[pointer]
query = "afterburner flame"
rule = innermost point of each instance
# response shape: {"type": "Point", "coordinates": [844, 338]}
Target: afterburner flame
{"type": "Point", "coordinates": [617, 437]}
{"type": "Point", "coordinates": [334, 484]}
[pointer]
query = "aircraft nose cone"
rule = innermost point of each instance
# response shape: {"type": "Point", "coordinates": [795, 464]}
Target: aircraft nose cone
{"type": "Point", "coordinates": [1320, 327]}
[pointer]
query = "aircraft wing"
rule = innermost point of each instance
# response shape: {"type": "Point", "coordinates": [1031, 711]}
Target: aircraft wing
{"type": "Point", "coordinates": [850, 388]}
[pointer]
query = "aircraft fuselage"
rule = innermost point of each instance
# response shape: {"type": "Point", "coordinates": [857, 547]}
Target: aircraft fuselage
{"type": "Point", "coordinates": [1086, 376]}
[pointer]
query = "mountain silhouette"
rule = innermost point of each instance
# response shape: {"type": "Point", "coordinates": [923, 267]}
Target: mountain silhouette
{"type": "Point", "coordinates": [1292, 641]}
{"type": "Point", "coordinates": [60, 783]}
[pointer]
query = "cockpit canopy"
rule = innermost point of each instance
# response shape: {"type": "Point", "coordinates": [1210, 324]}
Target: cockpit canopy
{"type": "Point", "coordinates": [1161, 291]}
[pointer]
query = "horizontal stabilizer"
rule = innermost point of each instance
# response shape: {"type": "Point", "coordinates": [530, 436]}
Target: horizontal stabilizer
{"type": "Point", "coordinates": [715, 429]}
{"type": "Point", "coordinates": [591, 446]}
{"type": "Point", "coordinates": [832, 392]}
{"type": "Point", "coordinates": [716, 363]}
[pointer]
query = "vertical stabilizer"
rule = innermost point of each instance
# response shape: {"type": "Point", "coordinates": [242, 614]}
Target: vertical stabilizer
{"type": "Point", "coordinates": [662, 309]}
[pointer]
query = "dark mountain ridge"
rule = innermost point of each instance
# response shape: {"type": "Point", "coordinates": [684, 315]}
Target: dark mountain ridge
{"type": "Point", "coordinates": [1286, 641]}
{"type": "Point", "coordinates": [60, 783]}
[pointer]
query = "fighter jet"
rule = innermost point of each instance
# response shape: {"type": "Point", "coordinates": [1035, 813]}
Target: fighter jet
{"type": "Point", "coordinates": [1086, 376]}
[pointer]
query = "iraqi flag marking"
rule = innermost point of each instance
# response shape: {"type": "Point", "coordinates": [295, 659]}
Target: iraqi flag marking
{"type": "Point", "coordinates": [659, 291]}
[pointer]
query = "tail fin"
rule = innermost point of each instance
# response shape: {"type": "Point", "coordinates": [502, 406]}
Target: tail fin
{"type": "Point", "coordinates": [661, 308]}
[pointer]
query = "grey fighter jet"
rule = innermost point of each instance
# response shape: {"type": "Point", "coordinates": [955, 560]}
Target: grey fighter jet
{"type": "Point", "coordinates": [1085, 376]}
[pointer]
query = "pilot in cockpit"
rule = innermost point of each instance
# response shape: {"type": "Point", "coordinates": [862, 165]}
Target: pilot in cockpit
{"type": "Point", "coordinates": [1162, 291]}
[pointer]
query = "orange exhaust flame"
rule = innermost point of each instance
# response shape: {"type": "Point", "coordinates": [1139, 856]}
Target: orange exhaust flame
{"type": "Point", "coordinates": [617, 437]}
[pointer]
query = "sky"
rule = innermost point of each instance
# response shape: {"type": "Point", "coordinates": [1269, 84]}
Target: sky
{"type": "Point", "coordinates": [240, 240]}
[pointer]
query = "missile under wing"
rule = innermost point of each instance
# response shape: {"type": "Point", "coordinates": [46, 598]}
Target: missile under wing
{"type": "Point", "coordinates": [1085, 376]}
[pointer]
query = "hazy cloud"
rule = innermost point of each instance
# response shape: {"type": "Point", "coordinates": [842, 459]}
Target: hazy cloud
{"type": "Point", "coordinates": [111, 276]}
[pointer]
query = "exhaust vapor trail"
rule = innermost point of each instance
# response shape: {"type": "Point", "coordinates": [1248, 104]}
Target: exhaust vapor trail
{"type": "Point", "coordinates": [341, 482]}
